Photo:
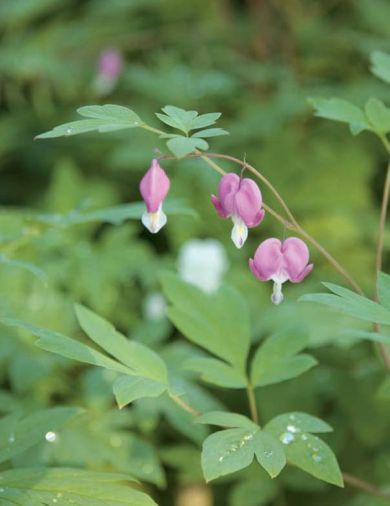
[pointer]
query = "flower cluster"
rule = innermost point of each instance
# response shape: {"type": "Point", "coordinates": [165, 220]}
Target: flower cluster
{"type": "Point", "coordinates": [239, 199]}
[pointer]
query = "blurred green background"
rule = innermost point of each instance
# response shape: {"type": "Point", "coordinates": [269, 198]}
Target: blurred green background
{"type": "Point", "coordinates": [256, 61]}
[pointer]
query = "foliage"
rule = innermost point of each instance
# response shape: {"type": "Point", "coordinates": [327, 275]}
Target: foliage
{"type": "Point", "coordinates": [73, 257]}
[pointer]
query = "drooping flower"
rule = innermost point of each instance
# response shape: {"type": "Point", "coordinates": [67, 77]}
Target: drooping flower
{"type": "Point", "coordinates": [110, 66]}
{"type": "Point", "coordinates": [154, 187]}
{"type": "Point", "coordinates": [203, 263]}
{"type": "Point", "coordinates": [280, 262]}
{"type": "Point", "coordinates": [240, 200]}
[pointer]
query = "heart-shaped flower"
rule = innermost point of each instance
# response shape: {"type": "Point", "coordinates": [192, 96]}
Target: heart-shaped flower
{"type": "Point", "coordinates": [240, 200]}
{"type": "Point", "coordinates": [280, 262]}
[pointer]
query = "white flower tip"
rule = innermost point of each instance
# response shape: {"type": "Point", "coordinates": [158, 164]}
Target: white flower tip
{"type": "Point", "coordinates": [154, 221]}
{"type": "Point", "coordinates": [239, 232]}
{"type": "Point", "coordinates": [277, 295]}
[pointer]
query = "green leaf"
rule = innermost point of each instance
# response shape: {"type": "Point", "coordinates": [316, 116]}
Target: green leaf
{"type": "Point", "coordinates": [304, 450]}
{"type": "Point", "coordinates": [350, 303]}
{"type": "Point", "coordinates": [269, 453]}
{"type": "Point", "coordinates": [37, 486]}
{"type": "Point", "coordinates": [103, 118]}
{"type": "Point", "coordinates": [17, 435]}
{"type": "Point", "coordinates": [211, 132]}
{"type": "Point", "coordinates": [115, 215]}
{"type": "Point", "coordinates": [369, 336]}
{"type": "Point", "coordinates": [67, 347]}
{"type": "Point", "coordinates": [313, 456]}
{"type": "Point", "coordinates": [186, 120]}
{"type": "Point", "coordinates": [378, 115]}
{"type": "Point", "coordinates": [341, 110]}
{"type": "Point", "coordinates": [205, 120]}
{"type": "Point", "coordinates": [216, 372]}
{"type": "Point", "coordinates": [380, 65]}
{"type": "Point", "coordinates": [277, 359]}
{"type": "Point", "coordinates": [142, 360]}
{"type": "Point", "coordinates": [297, 422]}
{"type": "Point", "coordinates": [27, 266]}
{"type": "Point", "coordinates": [178, 118]}
{"type": "Point", "coordinates": [130, 388]}
{"type": "Point", "coordinates": [383, 287]}
{"type": "Point", "coordinates": [226, 419]}
{"type": "Point", "coordinates": [226, 452]}
{"type": "Point", "coordinates": [181, 146]}
{"type": "Point", "coordinates": [218, 322]}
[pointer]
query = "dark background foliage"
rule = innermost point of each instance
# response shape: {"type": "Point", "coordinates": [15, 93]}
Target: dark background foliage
{"type": "Point", "coordinates": [256, 62]}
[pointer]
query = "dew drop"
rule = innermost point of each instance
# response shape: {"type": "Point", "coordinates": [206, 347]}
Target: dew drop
{"type": "Point", "coordinates": [316, 457]}
{"type": "Point", "coordinates": [304, 437]}
{"type": "Point", "coordinates": [286, 438]}
{"type": "Point", "coordinates": [11, 439]}
{"type": "Point", "coordinates": [55, 500]}
{"type": "Point", "coordinates": [68, 131]}
{"type": "Point", "coordinates": [292, 428]}
{"type": "Point", "coordinates": [220, 459]}
{"type": "Point", "coordinates": [2, 490]}
{"type": "Point", "coordinates": [268, 453]}
{"type": "Point", "coordinates": [51, 437]}
{"type": "Point", "coordinates": [292, 417]}
{"type": "Point", "coordinates": [248, 437]}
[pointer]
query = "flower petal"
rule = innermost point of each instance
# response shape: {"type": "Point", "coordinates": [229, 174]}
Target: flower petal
{"type": "Point", "coordinates": [239, 232]}
{"type": "Point", "coordinates": [227, 190]}
{"type": "Point", "coordinates": [268, 259]}
{"type": "Point", "coordinates": [218, 206]}
{"type": "Point", "coordinates": [302, 275]}
{"type": "Point", "coordinates": [248, 202]}
{"type": "Point", "coordinates": [154, 187]}
{"type": "Point", "coordinates": [295, 256]}
{"type": "Point", "coordinates": [154, 221]}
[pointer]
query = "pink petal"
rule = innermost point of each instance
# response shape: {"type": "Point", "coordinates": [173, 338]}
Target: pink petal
{"type": "Point", "coordinates": [307, 270]}
{"type": "Point", "coordinates": [268, 259]}
{"type": "Point", "coordinates": [227, 190]}
{"type": "Point", "coordinates": [248, 202]}
{"type": "Point", "coordinates": [154, 187]}
{"type": "Point", "coordinates": [255, 272]}
{"type": "Point", "coordinates": [258, 218]}
{"type": "Point", "coordinates": [218, 206]}
{"type": "Point", "coordinates": [296, 257]}
{"type": "Point", "coordinates": [110, 63]}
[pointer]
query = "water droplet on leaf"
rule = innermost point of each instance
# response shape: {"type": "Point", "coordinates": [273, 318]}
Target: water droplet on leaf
{"type": "Point", "coordinates": [50, 437]}
{"type": "Point", "coordinates": [286, 438]}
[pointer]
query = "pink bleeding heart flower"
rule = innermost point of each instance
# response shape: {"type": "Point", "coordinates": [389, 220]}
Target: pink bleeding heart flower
{"type": "Point", "coordinates": [154, 187]}
{"type": "Point", "coordinates": [280, 262]}
{"type": "Point", "coordinates": [240, 200]}
{"type": "Point", "coordinates": [110, 67]}
{"type": "Point", "coordinates": [110, 63]}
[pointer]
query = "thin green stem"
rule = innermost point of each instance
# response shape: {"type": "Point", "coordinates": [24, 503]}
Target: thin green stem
{"type": "Point", "coordinates": [252, 403]}
{"type": "Point", "coordinates": [179, 401]}
{"type": "Point", "coordinates": [365, 486]}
